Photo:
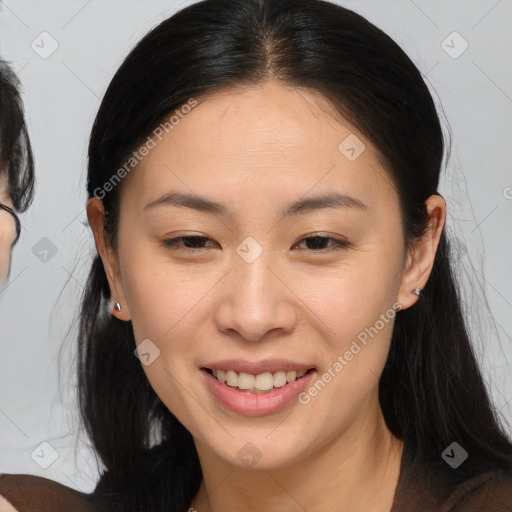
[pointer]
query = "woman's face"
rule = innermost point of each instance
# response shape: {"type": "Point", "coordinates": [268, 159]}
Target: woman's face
{"type": "Point", "coordinates": [7, 232]}
{"type": "Point", "coordinates": [258, 287]}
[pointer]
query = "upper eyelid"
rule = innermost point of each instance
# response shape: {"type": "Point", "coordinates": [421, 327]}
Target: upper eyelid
{"type": "Point", "coordinates": [339, 241]}
{"type": "Point", "coordinates": [305, 237]}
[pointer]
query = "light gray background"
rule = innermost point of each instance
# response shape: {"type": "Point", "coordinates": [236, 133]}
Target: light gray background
{"type": "Point", "coordinates": [62, 94]}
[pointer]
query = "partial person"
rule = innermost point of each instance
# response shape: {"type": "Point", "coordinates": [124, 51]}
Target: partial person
{"type": "Point", "coordinates": [16, 167]}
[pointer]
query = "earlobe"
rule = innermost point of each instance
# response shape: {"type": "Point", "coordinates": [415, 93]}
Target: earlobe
{"type": "Point", "coordinates": [421, 257]}
{"type": "Point", "coordinates": [117, 310]}
{"type": "Point", "coordinates": [96, 217]}
{"type": "Point", "coordinates": [119, 307]}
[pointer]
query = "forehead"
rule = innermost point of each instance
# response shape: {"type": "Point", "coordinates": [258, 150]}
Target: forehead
{"type": "Point", "coordinates": [260, 138]}
{"type": "Point", "coordinates": [267, 119]}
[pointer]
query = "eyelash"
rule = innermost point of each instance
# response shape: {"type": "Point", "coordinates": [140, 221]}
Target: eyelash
{"type": "Point", "coordinates": [171, 243]}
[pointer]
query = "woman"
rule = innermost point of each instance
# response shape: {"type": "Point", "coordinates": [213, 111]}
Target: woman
{"type": "Point", "coordinates": [271, 322]}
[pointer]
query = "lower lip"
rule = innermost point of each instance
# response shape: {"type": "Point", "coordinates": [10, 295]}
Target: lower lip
{"type": "Point", "coordinates": [255, 404]}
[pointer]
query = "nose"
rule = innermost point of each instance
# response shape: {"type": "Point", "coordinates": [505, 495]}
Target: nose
{"type": "Point", "coordinates": [256, 302]}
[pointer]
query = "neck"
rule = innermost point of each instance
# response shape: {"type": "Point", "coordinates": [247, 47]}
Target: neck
{"type": "Point", "coordinates": [356, 470]}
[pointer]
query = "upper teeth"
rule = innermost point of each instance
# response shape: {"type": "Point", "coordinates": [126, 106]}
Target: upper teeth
{"type": "Point", "coordinates": [261, 382]}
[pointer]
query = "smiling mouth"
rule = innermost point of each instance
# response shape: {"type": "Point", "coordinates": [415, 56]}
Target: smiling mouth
{"type": "Point", "coordinates": [259, 384]}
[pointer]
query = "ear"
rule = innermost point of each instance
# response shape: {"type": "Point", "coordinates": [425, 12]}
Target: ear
{"type": "Point", "coordinates": [96, 217]}
{"type": "Point", "coordinates": [420, 258]}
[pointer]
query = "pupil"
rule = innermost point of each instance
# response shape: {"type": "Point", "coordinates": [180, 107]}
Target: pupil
{"type": "Point", "coordinates": [316, 240]}
{"type": "Point", "coordinates": [192, 241]}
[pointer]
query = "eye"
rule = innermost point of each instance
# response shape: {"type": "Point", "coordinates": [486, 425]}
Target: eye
{"type": "Point", "coordinates": [174, 243]}
{"type": "Point", "coordinates": [195, 243]}
{"type": "Point", "coordinates": [317, 240]}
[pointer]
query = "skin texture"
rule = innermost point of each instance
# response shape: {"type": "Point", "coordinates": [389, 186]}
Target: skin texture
{"type": "Point", "coordinates": [5, 506]}
{"type": "Point", "coordinates": [7, 232]}
{"type": "Point", "coordinates": [258, 149]}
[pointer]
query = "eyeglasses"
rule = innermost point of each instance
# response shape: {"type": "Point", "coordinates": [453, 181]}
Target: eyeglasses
{"type": "Point", "coordinates": [16, 220]}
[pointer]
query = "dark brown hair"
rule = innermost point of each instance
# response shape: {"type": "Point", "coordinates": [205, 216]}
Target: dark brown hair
{"type": "Point", "coordinates": [16, 159]}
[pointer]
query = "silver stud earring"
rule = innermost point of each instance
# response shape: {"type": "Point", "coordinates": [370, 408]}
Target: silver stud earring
{"type": "Point", "coordinates": [416, 291]}
{"type": "Point", "coordinates": [117, 306]}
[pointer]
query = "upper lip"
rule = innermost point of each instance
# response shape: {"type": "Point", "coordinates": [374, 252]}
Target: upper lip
{"type": "Point", "coordinates": [257, 367]}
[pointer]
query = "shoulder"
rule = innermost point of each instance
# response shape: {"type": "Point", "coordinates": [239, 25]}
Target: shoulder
{"type": "Point", "coordinates": [491, 492]}
{"type": "Point", "coordinates": [23, 493]}
{"type": "Point", "coordinates": [429, 486]}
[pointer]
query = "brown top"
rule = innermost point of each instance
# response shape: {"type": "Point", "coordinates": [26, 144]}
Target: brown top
{"type": "Point", "coordinates": [490, 492]}
{"type": "Point", "coordinates": [29, 493]}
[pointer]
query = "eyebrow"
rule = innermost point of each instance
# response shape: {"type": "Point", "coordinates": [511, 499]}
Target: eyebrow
{"type": "Point", "coordinates": [305, 205]}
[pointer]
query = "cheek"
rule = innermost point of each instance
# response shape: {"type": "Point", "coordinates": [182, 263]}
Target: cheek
{"type": "Point", "coordinates": [360, 321]}
{"type": "Point", "coordinates": [357, 305]}
{"type": "Point", "coordinates": [164, 309]}
{"type": "Point", "coordinates": [354, 350]}
{"type": "Point", "coordinates": [6, 238]}
{"type": "Point", "coordinates": [352, 297]}
{"type": "Point", "coordinates": [161, 302]}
